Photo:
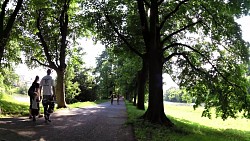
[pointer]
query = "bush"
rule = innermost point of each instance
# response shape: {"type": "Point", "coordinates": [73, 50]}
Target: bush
{"type": "Point", "coordinates": [23, 90]}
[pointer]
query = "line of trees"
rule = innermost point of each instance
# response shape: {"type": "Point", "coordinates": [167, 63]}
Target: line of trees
{"type": "Point", "coordinates": [198, 43]}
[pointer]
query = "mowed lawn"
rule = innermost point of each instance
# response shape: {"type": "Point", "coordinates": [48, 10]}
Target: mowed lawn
{"type": "Point", "coordinates": [210, 129]}
{"type": "Point", "coordinates": [189, 126]}
{"type": "Point", "coordinates": [187, 114]}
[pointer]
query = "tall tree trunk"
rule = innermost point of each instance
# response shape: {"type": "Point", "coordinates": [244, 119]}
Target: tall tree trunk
{"type": "Point", "coordinates": [143, 75]}
{"type": "Point", "coordinates": [135, 95]}
{"type": "Point", "coordinates": [60, 89]}
{"type": "Point", "coordinates": [155, 112]}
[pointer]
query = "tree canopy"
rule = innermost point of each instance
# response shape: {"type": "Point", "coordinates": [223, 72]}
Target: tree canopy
{"type": "Point", "coordinates": [197, 42]}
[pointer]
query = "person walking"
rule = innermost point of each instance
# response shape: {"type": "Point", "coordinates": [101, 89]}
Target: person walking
{"type": "Point", "coordinates": [34, 95]}
{"type": "Point", "coordinates": [47, 85]}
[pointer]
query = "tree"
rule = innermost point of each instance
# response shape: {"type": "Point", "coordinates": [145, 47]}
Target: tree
{"type": "Point", "coordinates": [217, 34]}
{"type": "Point", "coordinates": [49, 37]}
{"type": "Point", "coordinates": [120, 30]}
{"type": "Point", "coordinates": [201, 47]}
{"type": "Point", "coordinates": [8, 14]}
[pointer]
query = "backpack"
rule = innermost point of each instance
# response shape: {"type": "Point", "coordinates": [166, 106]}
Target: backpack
{"type": "Point", "coordinates": [31, 90]}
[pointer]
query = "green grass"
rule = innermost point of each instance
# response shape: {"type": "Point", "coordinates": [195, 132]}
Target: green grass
{"type": "Point", "coordinates": [85, 104]}
{"type": "Point", "coordinates": [11, 107]}
{"type": "Point", "coordinates": [189, 126]}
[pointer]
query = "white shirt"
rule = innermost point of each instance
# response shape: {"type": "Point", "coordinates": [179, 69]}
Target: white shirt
{"type": "Point", "coordinates": [47, 82]}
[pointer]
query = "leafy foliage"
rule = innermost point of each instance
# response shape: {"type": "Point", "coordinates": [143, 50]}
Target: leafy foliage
{"type": "Point", "coordinates": [178, 95]}
{"type": "Point", "coordinates": [199, 43]}
{"type": "Point", "coordinates": [8, 78]}
{"type": "Point", "coordinates": [9, 49]}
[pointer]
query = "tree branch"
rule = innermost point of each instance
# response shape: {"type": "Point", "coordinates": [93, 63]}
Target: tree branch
{"type": "Point", "coordinates": [12, 19]}
{"type": "Point", "coordinates": [64, 29]}
{"type": "Point", "coordinates": [209, 62]}
{"type": "Point", "coordinates": [122, 37]}
{"type": "Point", "coordinates": [44, 44]}
{"type": "Point", "coordinates": [171, 13]}
{"type": "Point", "coordinates": [146, 3]}
{"type": "Point", "coordinates": [39, 62]}
{"type": "Point", "coordinates": [2, 14]}
{"type": "Point", "coordinates": [144, 23]}
{"type": "Point", "coordinates": [178, 31]}
{"type": "Point", "coordinates": [192, 65]}
{"type": "Point", "coordinates": [56, 45]}
{"type": "Point", "coordinates": [160, 2]}
{"type": "Point", "coordinates": [171, 55]}
{"type": "Point", "coordinates": [169, 46]}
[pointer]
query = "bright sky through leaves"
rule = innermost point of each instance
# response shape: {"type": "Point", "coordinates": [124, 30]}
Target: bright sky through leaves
{"type": "Point", "coordinates": [93, 51]}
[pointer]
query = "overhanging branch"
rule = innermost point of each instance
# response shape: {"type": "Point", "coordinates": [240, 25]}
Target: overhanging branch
{"type": "Point", "coordinates": [209, 62]}
{"type": "Point", "coordinates": [172, 55]}
{"type": "Point", "coordinates": [44, 44]}
{"type": "Point", "coordinates": [12, 19]}
{"type": "Point", "coordinates": [171, 13]}
{"type": "Point", "coordinates": [192, 65]}
{"type": "Point", "coordinates": [144, 23]}
{"type": "Point", "coordinates": [180, 30]}
{"type": "Point", "coordinates": [40, 63]}
{"type": "Point", "coordinates": [2, 14]}
{"type": "Point", "coordinates": [122, 37]}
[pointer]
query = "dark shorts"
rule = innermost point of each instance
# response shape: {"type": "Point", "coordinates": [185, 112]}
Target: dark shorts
{"type": "Point", "coordinates": [34, 112]}
{"type": "Point", "coordinates": [48, 103]}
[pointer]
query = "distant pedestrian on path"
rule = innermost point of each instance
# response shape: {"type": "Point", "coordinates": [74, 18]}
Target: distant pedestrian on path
{"type": "Point", "coordinates": [111, 97]}
{"type": "Point", "coordinates": [47, 84]}
{"type": "Point", "coordinates": [118, 98]}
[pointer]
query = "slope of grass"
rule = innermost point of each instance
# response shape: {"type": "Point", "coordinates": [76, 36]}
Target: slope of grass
{"type": "Point", "coordinates": [11, 107]}
{"type": "Point", "coordinates": [188, 127]}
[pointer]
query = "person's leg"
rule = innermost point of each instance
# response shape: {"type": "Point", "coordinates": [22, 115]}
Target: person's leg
{"type": "Point", "coordinates": [45, 107]}
{"type": "Point", "coordinates": [112, 100]}
{"type": "Point", "coordinates": [30, 115]}
{"type": "Point", "coordinates": [39, 113]}
{"type": "Point", "coordinates": [34, 113]}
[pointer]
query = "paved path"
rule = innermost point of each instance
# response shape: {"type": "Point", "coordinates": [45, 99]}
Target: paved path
{"type": "Point", "coordinates": [104, 122]}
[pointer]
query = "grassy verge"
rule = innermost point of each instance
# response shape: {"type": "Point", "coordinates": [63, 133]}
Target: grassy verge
{"type": "Point", "coordinates": [189, 127]}
{"type": "Point", "coordinates": [11, 107]}
{"type": "Point", "coordinates": [85, 104]}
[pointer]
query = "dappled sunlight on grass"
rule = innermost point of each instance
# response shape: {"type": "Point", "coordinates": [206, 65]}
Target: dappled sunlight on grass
{"type": "Point", "coordinates": [189, 126]}
{"type": "Point", "coordinates": [81, 104]}
{"type": "Point", "coordinates": [187, 113]}
{"type": "Point", "coordinates": [10, 107]}
{"type": "Point", "coordinates": [86, 104]}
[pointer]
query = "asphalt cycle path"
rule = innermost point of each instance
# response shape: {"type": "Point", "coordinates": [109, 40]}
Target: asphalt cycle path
{"type": "Point", "coordinates": [104, 122]}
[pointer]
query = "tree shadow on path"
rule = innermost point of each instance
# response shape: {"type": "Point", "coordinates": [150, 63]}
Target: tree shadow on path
{"type": "Point", "coordinates": [103, 122]}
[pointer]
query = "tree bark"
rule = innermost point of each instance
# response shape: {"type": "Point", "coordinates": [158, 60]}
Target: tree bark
{"type": "Point", "coordinates": [5, 32]}
{"type": "Point", "coordinates": [135, 95]}
{"type": "Point", "coordinates": [143, 76]}
{"type": "Point", "coordinates": [155, 112]}
{"type": "Point", "coordinates": [60, 89]}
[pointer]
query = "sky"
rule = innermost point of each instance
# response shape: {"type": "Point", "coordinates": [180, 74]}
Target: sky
{"type": "Point", "coordinates": [94, 50]}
